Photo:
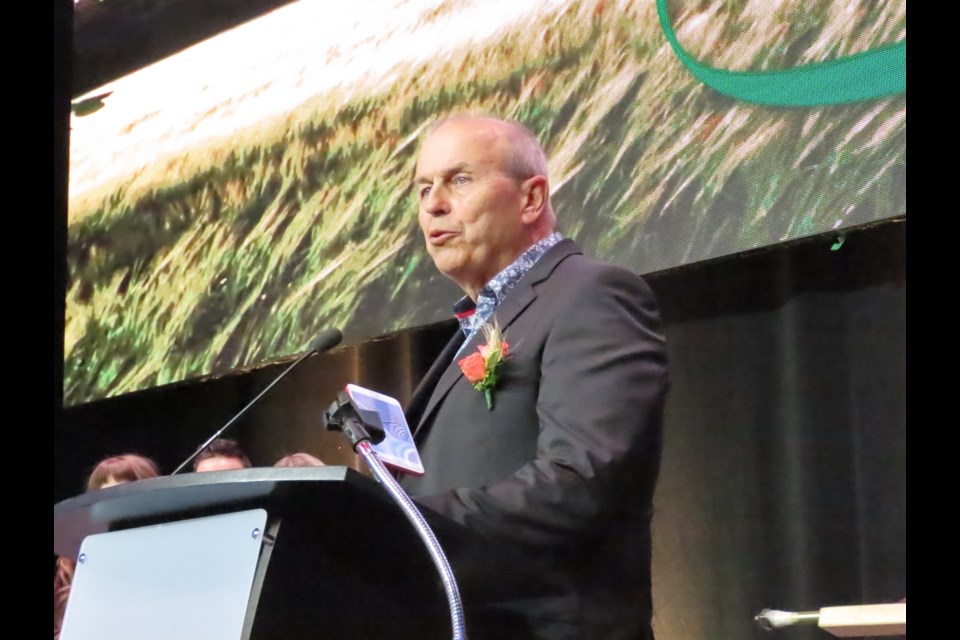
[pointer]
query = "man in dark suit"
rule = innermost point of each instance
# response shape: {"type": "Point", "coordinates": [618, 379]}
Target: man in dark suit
{"type": "Point", "coordinates": [561, 465]}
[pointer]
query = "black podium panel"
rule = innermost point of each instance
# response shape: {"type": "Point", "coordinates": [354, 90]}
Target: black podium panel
{"type": "Point", "coordinates": [338, 559]}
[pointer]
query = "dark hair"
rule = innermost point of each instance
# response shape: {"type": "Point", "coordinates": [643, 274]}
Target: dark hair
{"type": "Point", "coordinates": [222, 448]}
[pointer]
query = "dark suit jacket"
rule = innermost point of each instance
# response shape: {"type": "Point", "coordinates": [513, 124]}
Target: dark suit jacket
{"type": "Point", "coordinates": [563, 468]}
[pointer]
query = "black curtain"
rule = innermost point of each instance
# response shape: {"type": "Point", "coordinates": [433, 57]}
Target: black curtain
{"type": "Point", "coordinates": [784, 469]}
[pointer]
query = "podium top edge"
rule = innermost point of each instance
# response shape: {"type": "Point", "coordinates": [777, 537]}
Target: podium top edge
{"type": "Point", "coordinates": [192, 493]}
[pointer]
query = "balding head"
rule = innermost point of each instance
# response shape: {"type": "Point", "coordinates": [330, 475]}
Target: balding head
{"type": "Point", "coordinates": [526, 157]}
{"type": "Point", "coordinates": [484, 196]}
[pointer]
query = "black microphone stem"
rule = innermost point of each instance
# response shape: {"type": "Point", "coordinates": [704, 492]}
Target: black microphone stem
{"type": "Point", "coordinates": [244, 410]}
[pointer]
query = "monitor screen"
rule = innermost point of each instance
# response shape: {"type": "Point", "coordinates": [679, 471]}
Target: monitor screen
{"type": "Point", "coordinates": [240, 172]}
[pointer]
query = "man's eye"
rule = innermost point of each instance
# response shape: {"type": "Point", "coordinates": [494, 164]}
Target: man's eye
{"type": "Point", "coordinates": [424, 192]}
{"type": "Point", "coordinates": [461, 180]}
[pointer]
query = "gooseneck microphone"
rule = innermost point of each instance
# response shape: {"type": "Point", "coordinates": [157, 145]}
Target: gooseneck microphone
{"type": "Point", "coordinates": [364, 428]}
{"type": "Point", "coordinates": [323, 341]}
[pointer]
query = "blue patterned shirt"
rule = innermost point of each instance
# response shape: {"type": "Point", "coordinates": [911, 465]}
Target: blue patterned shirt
{"type": "Point", "coordinates": [472, 315]}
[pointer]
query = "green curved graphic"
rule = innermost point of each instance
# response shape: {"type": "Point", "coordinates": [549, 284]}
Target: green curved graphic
{"type": "Point", "coordinates": [872, 74]}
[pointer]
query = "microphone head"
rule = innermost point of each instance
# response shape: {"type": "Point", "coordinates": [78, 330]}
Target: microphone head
{"type": "Point", "coordinates": [325, 340]}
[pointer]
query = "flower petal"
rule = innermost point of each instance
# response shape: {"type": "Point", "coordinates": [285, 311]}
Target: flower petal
{"type": "Point", "coordinates": [473, 367]}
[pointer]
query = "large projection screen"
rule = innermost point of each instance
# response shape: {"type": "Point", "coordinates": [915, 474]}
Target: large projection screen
{"type": "Point", "coordinates": [230, 199]}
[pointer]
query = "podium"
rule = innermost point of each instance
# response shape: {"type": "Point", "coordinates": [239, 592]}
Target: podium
{"type": "Point", "coordinates": [264, 554]}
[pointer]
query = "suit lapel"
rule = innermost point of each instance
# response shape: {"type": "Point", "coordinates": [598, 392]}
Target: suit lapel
{"type": "Point", "coordinates": [416, 408]}
{"type": "Point", "coordinates": [519, 298]}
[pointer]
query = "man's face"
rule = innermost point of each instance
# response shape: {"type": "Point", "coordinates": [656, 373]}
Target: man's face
{"type": "Point", "coordinates": [111, 482]}
{"type": "Point", "coordinates": [470, 207]}
{"type": "Point", "coordinates": [219, 463]}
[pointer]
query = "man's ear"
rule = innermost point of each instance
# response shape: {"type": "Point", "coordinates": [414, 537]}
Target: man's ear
{"type": "Point", "coordinates": [535, 193]}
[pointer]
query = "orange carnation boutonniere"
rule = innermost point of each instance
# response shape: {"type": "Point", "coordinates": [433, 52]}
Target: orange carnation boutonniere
{"type": "Point", "coordinates": [480, 368]}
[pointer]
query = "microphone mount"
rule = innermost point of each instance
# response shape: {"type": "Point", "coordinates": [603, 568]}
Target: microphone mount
{"type": "Point", "coordinates": [364, 429]}
{"type": "Point", "coordinates": [355, 423]}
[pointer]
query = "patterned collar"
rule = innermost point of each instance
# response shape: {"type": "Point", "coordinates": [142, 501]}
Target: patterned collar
{"type": "Point", "coordinates": [471, 315]}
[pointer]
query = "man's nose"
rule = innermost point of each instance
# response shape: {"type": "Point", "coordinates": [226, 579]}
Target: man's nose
{"type": "Point", "coordinates": [436, 201]}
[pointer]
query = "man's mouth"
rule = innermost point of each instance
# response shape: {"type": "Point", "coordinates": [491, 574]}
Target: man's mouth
{"type": "Point", "coordinates": [439, 236]}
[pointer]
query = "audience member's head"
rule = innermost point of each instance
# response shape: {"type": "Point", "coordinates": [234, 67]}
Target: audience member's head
{"type": "Point", "coordinates": [299, 459]}
{"type": "Point", "coordinates": [119, 469]}
{"type": "Point", "coordinates": [128, 467]}
{"type": "Point", "coordinates": [223, 454]}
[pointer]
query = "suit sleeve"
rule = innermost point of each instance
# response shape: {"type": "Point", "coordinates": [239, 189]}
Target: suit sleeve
{"type": "Point", "coordinates": [603, 380]}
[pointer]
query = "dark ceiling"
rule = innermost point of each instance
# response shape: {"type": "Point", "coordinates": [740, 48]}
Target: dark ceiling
{"type": "Point", "coordinates": [115, 37]}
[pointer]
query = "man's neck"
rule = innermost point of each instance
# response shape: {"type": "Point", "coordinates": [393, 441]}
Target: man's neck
{"type": "Point", "coordinates": [472, 289]}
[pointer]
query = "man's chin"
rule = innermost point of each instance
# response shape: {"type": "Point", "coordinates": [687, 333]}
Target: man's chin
{"type": "Point", "coordinates": [451, 269]}
{"type": "Point", "coordinates": [451, 273]}
{"type": "Point", "coordinates": [446, 263]}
